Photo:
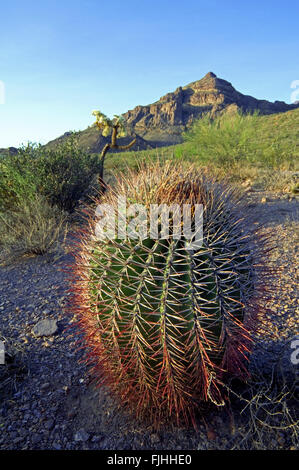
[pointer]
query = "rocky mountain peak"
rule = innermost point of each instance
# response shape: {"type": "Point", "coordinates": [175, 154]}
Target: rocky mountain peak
{"type": "Point", "coordinates": [163, 122]}
{"type": "Point", "coordinates": [210, 75]}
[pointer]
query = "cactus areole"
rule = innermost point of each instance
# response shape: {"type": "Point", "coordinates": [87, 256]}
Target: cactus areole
{"type": "Point", "coordinates": [163, 325]}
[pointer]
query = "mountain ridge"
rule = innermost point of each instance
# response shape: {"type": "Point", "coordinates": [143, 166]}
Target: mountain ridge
{"type": "Point", "coordinates": [163, 122]}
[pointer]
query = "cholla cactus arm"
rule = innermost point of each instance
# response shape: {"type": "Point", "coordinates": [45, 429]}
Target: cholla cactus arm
{"type": "Point", "coordinates": [117, 128]}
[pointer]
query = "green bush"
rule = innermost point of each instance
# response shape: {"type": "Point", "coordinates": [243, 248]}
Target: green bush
{"type": "Point", "coordinates": [233, 139]}
{"type": "Point", "coordinates": [226, 140]}
{"type": "Point", "coordinates": [16, 183]}
{"type": "Point", "coordinates": [62, 174]}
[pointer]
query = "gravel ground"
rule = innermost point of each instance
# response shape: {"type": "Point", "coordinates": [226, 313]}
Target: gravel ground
{"type": "Point", "coordinates": [46, 400]}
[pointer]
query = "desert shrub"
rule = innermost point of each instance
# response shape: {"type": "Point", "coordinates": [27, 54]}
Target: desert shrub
{"type": "Point", "coordinates": [233, 139]}
{"type": "Point", "coordinates": [225, 140]}
{"type": "Point", "coordinates": [32, 227]}
{"type": "Point", "coordinates": [62, 174]}
{"type": "Point", "coordinates": [16, 183]}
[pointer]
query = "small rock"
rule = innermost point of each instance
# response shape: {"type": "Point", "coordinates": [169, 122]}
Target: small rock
{"type": "Point", "coordinates": [49, 424]}
{"type": "Point", "coordinates": [45, 328]}
{"type": "Point", "coordinates": [45, 386]}
{"type": "Point", "coordinates": [17, 440]}
{"type": "Point", "coordinates": [154, 438]}
{"type": "Point", "coordinates": [81, 436]}
{"type": "Point", "coordinates": [263, 200]}
{"type": "Point", "coordinates": [36, 438]}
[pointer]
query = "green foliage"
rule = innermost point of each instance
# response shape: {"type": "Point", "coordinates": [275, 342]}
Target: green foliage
{"type": "Point", "coordinates": [235, 138]}
{"type": "Point", "coordinates": [16, 183]}
{"type": "Point", "coordinates": [226, 140]}
{"type": "Point", "coordinates": [62, 174]}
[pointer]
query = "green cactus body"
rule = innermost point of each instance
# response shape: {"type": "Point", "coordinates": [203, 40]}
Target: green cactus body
{"type": "Point", "coordinates": [165, 324]}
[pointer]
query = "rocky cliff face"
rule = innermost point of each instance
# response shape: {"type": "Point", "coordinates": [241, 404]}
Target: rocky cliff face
{"type": "Point", "coordinates": [163, 122]}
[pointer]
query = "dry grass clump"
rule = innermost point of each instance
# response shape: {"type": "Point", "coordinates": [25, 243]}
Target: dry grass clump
{"type": "Point", "coordinates": [33, 227]}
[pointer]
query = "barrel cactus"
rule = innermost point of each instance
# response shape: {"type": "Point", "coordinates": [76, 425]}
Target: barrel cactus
{"type": "Point", "coordinates": [164, 324]}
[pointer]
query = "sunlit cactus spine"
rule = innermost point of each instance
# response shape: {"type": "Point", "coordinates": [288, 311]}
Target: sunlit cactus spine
{"type": "Point", "coordinates": [165, 325]}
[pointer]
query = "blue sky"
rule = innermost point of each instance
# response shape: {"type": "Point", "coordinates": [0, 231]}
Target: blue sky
{"type": "Point", "coordinates": [61, 60]}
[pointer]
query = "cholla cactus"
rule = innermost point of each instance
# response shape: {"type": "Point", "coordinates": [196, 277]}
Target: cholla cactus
{"type": "Point", "coordinates": [164, 325]}
{"type": "Point", "coordinates": [117, 128]}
